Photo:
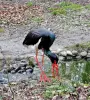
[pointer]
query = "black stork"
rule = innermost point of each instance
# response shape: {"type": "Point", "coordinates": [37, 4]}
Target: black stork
{"type": "Point", "coordinates": [43, 39]}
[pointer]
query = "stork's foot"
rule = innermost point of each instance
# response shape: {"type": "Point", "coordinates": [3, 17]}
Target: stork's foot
{"type": "Point", "coordinates": [44, 78]}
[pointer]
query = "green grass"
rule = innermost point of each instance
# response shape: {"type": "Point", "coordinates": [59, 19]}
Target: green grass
{"type": "Point", "coordinates": [37, 19]}
{"type": "Point", "coordinates": [86, 73]}
{"type": "Point", "coordinates": [70, 6]}
{"type": "Point", "coordinates": [64, 7]}
{"type": "Point", "coordinates": [29, 4]}
{"type": "Point", "coordinates": [57, 11]}
{"type": "Point", "coordinates": [1, 30]}
{"type": "Point", "coordinates": [87, 6]}
{"type": "Point", "coordinates": [57, 88]}
{"type": "Point", "coordinates": [85, 45]}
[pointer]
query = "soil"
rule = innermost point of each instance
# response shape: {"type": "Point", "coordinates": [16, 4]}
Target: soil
{"type": "Point", "coordinates": [69, 30]}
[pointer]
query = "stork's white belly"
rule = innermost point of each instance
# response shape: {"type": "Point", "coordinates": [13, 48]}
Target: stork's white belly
{"type": "Point", "coordinates": [36, 45]}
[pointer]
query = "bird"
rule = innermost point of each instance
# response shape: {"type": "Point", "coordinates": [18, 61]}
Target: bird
{"type": "Point", "coordinates": [43, 39]}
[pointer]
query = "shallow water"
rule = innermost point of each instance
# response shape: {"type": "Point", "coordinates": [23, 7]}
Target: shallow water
{"type": "Point", "coordinates": [76, 71]}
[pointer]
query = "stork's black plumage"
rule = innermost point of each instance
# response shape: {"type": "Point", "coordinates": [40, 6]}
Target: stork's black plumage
{"type": "Point", "coordinates": [47, 38]}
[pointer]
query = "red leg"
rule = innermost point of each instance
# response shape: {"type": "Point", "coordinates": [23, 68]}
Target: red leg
{"type": "Point", "coordinates": [43, 57]}
{"type": "Point", "coordinates": [43, 76]}
{"type": "Point", "coordinates": [37, 55]}
{"type": "Point", "coordinates": [55, 71]}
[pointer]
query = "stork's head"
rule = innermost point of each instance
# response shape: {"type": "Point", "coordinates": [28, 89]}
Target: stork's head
{"type": "Point", "coordinates": [53, 57]}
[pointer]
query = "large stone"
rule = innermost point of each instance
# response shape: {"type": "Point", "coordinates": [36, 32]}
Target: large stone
{"type": "Point", "coordinates": [63, 53]}
{"type": "Point", "coordinates": [88, 55]}
{"type": "Point", "coordinates": [75, 53]}
{"type": "Point", "coordinates": [61, 58]}
{"type": "Point", "coordinates": [69, 53]}
{"type": "Point", "coordinates": [83, 54]}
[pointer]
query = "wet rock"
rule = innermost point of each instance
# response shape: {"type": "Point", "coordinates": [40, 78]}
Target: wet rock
{"type": "Point", "coordinates": [78, 57]}
{"type": "Point", "coordinates": [9, 70]}
{"type": "Point", "coordinates": [30, 70]}
{"type": "Point", "coordinates": [68, 58]}
{"type": "Point", "coordinates": [5, 89]}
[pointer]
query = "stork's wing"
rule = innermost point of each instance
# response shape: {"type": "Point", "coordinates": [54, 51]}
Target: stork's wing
{"type": "Point", "coordinates": [45, 43]}
{"type": "Point", "coordinates": [31, 38]}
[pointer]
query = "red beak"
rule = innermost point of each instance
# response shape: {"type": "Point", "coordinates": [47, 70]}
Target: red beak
{"type": "Point", "coordinates": [55, 70]}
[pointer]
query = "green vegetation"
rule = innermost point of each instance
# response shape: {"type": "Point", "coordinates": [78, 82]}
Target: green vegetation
{"type": "Point", "coordinates": [85, 45]}
{"type": "Point", "coordinates": [57, 11]}
{"type": "Point", "coordinates": [86, 73]}
{"type": "Point", "coordinates": [37, 19]}
{"type": "Point", "coordinates": [64, 7]}
{"type": "Point", "coordinates": [1, 30]}
{"type": "Point", "coordinates": [58, 88]}
{"type": "Point", "coordinates": [77, 72]}
{"type": "Point", "coordinates": [70, 6]}
{"type": "Point", "coordinates": [29, 4]}
{"type": "Point", "coordinates": [31, 64]}
{"type": "Point", "coordinates": [87, 6]}
{"type": "Point", "coordinates": [75, 75]}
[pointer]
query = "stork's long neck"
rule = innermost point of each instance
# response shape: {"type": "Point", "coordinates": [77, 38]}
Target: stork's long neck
{"type": "Point", "coordinates": [48, 53]}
